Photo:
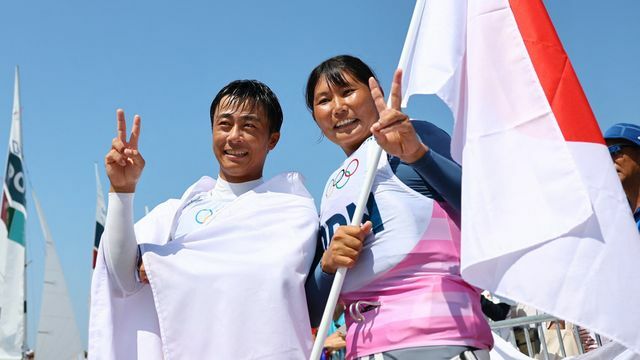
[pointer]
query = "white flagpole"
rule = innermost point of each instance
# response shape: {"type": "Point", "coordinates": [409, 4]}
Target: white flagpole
{"type": "Point", "coordinates": [338, 280]}
{"type": "Point", "coordinates": [374, 158]}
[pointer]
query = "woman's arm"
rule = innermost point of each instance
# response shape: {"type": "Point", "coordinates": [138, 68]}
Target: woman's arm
{"type": "Point", "coordinates": [343, 251]}
{"type": "Point", "coordinates": [436, 166]}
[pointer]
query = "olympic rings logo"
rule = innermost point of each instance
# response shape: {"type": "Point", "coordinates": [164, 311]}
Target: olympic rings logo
{"type": "Point", "coordinates": [342, 177]}
{"type": "Point", "coordinates": [204, 216]}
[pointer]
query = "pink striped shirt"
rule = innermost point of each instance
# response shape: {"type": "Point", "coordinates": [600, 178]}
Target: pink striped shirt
{"type": "Point", "coordinates": [410, 264]}
{"type": "Point", "coordinates": [424, 301]}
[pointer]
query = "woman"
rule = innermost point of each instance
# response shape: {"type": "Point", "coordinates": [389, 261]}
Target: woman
{"type": "Point", "coordinates": [404, 294]}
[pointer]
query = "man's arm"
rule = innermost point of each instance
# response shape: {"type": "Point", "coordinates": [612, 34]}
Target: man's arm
{"type": "Point", "coordinates": [119, 243]}
{"type": "Point", "coordinates": [124, 165]}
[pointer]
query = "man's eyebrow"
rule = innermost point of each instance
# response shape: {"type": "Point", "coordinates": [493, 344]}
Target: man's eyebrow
{"type": "Point", "coordinates": [249, 117]}
{"type": "Point", "coordinates": [245, 116]}
{"type": "Point", "coordinates": [225, 115]}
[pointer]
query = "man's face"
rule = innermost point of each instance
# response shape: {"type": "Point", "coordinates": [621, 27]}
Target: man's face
{"type": "Point", "coordinates": [241, 140]}
{"type": "Point", "coordinates": [626, 161]}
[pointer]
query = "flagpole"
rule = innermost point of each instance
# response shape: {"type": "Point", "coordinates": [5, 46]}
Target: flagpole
{"type": "Point", "coordinates": [338, 280]}
{"type": "Point", "coordinates": [373, 159]}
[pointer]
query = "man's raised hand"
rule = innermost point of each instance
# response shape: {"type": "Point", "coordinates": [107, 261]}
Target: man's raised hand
{"type": "Point", "coordinates": [123, 162]}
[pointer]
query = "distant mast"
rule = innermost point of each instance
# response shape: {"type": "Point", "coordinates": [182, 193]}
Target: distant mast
{"type": "Point", "coordinates": [13, 305]}
{"type": "Point", "coordinates": [101, 215]}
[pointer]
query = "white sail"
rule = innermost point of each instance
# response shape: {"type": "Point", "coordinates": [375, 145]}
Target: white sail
{"type": "Point", "coordinates": [101, 215]}
{"type": "Point", "coordinates": [58, 337]}
{"type": "Point", "coordinates": [12, 242]}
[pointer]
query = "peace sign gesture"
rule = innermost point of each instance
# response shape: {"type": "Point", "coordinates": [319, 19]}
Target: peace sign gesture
{"type": "Point", "coordinates": [393, 130]}
{"type": "Point", "coordinates": [123, 162]}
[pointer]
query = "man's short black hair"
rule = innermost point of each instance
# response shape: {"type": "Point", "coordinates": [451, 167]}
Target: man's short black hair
{"type": "Point", "coordinates": [250, 93]}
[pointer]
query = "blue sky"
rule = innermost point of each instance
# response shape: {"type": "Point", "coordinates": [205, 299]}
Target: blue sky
{"type": "Point", "coordinates": [80, 60]}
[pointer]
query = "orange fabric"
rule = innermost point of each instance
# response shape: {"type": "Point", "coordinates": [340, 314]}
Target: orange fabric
{"type": "Point", "coordinates": [558, 79]}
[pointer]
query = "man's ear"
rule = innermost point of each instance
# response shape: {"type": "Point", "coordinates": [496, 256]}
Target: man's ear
{"type": "Point", "coordinates": [273, 139]}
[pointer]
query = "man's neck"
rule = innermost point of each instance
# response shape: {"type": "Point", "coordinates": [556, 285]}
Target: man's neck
{"type": "Point", "coordinates": [633, 196]}
{"type": "Point", "coordinates": [228, 189]}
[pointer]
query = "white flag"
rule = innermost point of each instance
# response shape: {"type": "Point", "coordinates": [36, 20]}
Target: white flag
{"type": "Point", "coordinates": [544, 218]}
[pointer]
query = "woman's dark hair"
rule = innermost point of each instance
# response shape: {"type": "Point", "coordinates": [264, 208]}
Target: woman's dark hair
{"type": "Point", "coordinates": [250, 93]}
{"type": "Point", "coordinates": [332, 71]}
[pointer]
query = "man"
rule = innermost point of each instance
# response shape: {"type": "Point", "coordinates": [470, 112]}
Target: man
{"type": "Point", "coordinates": [225, 264]}
{"type": "Point", "coordinates": [623, 141]}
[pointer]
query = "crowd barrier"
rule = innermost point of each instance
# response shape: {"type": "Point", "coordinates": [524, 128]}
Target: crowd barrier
{"type": "Point", "coordinates": [535, 331]}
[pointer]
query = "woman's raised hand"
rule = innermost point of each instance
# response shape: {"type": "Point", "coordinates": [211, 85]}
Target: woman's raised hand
{"type": "Point", "coordinates": [393, 130]}
{"type": "Point", "coordinates": [123, 162]}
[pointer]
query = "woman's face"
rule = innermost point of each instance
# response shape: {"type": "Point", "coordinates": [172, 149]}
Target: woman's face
{"type": "Point", "coordinates": [344, 113]}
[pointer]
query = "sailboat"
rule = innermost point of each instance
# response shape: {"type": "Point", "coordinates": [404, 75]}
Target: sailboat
{"type": "Point", "coordinates": [58, 337]}
{"type": "Point", "coordinates": [13, 305]}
